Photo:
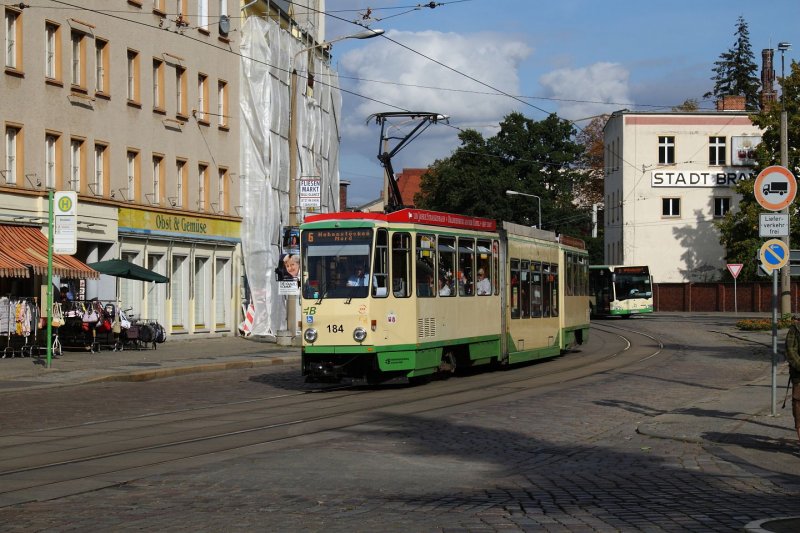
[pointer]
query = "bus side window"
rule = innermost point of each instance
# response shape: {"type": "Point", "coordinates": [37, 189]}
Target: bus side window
{"type": "Point", "coordinates": [401, 261]}
{"type": "Point", "coordinates": [380, 268]}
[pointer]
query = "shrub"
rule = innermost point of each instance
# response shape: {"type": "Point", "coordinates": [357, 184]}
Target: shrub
{"type": "Point", "coordinates": [765, 324]}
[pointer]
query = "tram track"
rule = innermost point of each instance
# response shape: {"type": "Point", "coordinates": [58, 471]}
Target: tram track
{"type": "Point", "coordinates": [55, 462]}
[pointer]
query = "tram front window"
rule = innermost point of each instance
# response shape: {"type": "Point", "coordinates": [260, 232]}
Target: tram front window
{"type": "Point", "coordinates": [336, 263]}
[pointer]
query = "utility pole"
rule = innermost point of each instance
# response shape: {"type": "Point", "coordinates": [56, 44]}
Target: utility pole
{"type": "Point", "coordinates": [786, 279]}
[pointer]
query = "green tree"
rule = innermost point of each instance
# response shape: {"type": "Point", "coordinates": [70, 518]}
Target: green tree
{"type": "Point", "coordinates": [688, 105]}
{"type": "Point", "coordinates": [533, 157]}
{"type": "Point", "coordinates": [739, 228]}
{"type": "Point", "coordinates": [735, 71]}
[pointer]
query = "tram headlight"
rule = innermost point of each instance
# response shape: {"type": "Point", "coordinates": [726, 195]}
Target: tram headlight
{"type": "Point", "coordinates": [359, 334]}
{"type": "Point", "coordinates": [310, 335]}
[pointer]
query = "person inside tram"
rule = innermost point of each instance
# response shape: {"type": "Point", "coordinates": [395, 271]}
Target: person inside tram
{"type": "Point", "coordinates": [359, 278]}
{"type": "Point", "coordinates": [444, 288]}
{"type": "Point", "coordinates": [484, 286]}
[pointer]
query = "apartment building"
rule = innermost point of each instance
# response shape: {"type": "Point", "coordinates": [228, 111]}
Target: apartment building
{"type": "Point", "coordinates": [133, 104]}
{"type": "Point", "coordinates": [668, 178]}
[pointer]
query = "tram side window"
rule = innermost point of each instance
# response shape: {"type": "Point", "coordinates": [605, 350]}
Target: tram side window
{"type": "Point", "coordinates": [496, 270]}
{"type": "Point", "coordinates": [514, 285]}
{"type": "Point", "coordinates": [466, 266]}
{"type": "Point", "coordinates": [525, 289]}
{"type": "Point", "coordinates": [483, 282]}
{"type": "Point", "coordinates": [401, 259]}
{"type": "Point", "coordinates": [380, 268]}
{"type": "Point", "coordinates": [426, 266]}
{"type": "Point", "coordinates": [547, 288]}
{"type": "Point", "coordinates": [553, 282]}
{"type": "Point", "coordinates": [536, 289]}
{"type": "Point", "coordinates": [447, 266]}
{"type": "Point", "coordinates": [569, 274]}
{"type": "Point", "coordinates": [583, 275]}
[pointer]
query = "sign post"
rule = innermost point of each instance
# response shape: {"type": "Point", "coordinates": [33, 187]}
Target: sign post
{"type": "Point", "coordinates": [775, 188]}
{"type": "Point", "coordinates": [734, 269]}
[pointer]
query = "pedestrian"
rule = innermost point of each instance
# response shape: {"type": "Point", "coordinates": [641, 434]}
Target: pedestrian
{"type": "Point", "coordinates": [793, 358]}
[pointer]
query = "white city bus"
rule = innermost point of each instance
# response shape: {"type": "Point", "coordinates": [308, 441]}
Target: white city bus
{"type": "Point", "coordinates": [620, 290]}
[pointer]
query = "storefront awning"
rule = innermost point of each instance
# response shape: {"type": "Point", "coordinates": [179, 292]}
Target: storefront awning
{"type": "Point", "coordinates": [24, 249]}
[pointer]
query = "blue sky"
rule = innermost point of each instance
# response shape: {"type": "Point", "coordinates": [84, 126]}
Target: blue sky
{"type": "Point", "coordinates": [577, 58]}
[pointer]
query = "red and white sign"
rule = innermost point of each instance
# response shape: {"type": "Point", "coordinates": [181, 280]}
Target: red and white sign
{"type": "Point", "coordinates": [775, 188]}
{"type": "Point", "coordinates": [734, 269]}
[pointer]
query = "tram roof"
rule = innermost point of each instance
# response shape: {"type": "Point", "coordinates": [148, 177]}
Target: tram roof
{"type": "Point", "coordinates": [413, 216]}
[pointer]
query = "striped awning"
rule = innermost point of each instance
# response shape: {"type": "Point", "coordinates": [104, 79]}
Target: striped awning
{"type": "Point", "coordinates": [23, 249]}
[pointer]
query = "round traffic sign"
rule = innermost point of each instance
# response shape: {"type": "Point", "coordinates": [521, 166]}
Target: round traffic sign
{"type": "Point", "coordinates": [775, 188]}
{"type": "Point", "coordinates": [774, 254]}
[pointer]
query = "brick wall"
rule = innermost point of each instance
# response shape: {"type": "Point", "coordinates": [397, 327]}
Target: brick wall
{"type": "Point", "coordinates": [718, 297]}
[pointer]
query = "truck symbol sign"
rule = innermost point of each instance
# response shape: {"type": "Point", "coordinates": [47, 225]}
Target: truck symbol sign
{"type": "Point", "coordinates": [776, 187]}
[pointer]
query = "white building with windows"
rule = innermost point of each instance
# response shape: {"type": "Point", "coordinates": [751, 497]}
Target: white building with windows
{"type": "Point", "coordinates": [668, 178]}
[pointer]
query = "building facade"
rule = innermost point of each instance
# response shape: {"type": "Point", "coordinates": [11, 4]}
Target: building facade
{"type": "Point", "coordinates": [668, 178]}
{"type": "Point", "coordinates": [133, 104]}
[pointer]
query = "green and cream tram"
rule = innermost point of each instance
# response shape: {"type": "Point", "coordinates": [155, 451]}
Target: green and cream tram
{"type": "Point", "coordinates": [413, 293]}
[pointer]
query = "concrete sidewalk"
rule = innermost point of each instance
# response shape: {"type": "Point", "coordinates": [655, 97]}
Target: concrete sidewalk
{"type": "Point", "coordinates": [171, 358]}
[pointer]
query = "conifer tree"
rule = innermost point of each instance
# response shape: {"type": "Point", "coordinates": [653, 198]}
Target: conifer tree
{"type": "Point", "coordinates": [735, 71]}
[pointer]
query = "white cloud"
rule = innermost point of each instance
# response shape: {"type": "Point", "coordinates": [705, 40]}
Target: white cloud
{"type": "Point", "coordinates": [413, 82]}
{"type": "Point", "coordinates": [587, 88]}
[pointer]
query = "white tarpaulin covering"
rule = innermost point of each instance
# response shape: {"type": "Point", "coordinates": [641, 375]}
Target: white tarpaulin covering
{"type": "Point", "coordinates": [267, 53]}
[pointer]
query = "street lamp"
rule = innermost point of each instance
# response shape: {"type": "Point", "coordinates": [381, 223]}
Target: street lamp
{"type": "Point", "coordinates": [514, 193]}
{"type": "Point", "coordinates": [287, 337]}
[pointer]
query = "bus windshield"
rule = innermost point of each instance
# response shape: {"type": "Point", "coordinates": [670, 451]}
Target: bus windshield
{"type": "Point", "coordinates": [630, 283]}
{"type": "Point", "coordinates": [336, 262]}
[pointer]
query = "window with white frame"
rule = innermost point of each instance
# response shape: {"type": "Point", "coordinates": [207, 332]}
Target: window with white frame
{"type": "Point", "coordinates": [180, 91]}
{"type": "Point", "coordinates": [202, 189]}
{"type": "Point", "coordinates": [156, 292]}
{"type": "Point", "coordinates": [716, 150]}
{"type": "Point", "coordinates": [179, 292]}
{"type": "Point", "coordinates": [202, 14]}
{"type": "Point", "coordinates": [201, 292]}
{"type": "Point", "coordinates": [671, 207]}
{"type": "Point", "coordinates": [133, 174]}
{"type": "Point", "coordinates": [99, 169]}
{"type": "Point", "coordinates": [666, 150]}
{"type": "Point", "coordinates": [50, 50]}
{"type": "Point", "coordinates": [77, 76]}
{"type": "Point", "coordinates": [101, 65]}
{"type": "Point", "coordinates": [130, 291]}
{"type": "Point", "coordinates": [13, 145]}
{"type": "Point", "coordinates": [222, 103]}
{"type": "Point", "coordinates": [180, 183]}
{"type": "Point", "coordinates": [222, 293]}
{"type": "Point", "coordinates": [75, 170]}
{"type": "Point", "coordinates": [721, 206]}
{"type": "Point", "coordinates": [222, 191]}
{"type": "Point", "coordinates": [223, 7]}
{"type": "Point", "coordinates": [158, 165]}
{"type": "Point", "coordinates": [202, 98]}
{"type": "Point", "coordinates": [133, 76]}
{"type": "Point", "coordinates": [158, 84]}
{"type": "Point", "coordinates": [13, 39]}
{"type": "Point", "coordinates": [50, 155]}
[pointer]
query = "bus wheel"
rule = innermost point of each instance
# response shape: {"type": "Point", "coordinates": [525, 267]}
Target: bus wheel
{"type": "Point", "coordinates": [447, 366]}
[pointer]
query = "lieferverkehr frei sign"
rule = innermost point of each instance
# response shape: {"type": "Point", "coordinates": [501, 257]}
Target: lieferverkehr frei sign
{"type": "Point", "coordinates": [773, 225]}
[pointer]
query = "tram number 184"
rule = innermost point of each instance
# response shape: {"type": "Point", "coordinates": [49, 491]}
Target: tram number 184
{"type": "Point", "coordinates": [334, 328]}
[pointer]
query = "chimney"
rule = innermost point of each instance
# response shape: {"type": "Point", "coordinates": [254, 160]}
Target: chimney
{"type": "Point", "coordinates": [343, 184]}
{"type": "Point", "coordinates": [730, 102]}
{"type": "Point", "coordinates": [768, 93]}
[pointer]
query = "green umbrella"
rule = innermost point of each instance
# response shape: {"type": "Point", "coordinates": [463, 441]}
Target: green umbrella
{"type": "Point", "coordinates": [124, 269]}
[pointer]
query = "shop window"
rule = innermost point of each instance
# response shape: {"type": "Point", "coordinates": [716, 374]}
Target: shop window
{"type": "Point", "coordinates": [179, 291]}
{"type": "Point", "coordinates": [222, 293]}
{"type": "Point", "coordinates": [201, 292]}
